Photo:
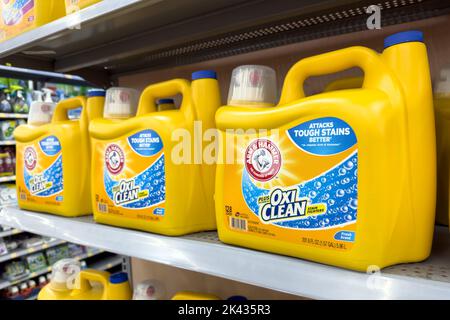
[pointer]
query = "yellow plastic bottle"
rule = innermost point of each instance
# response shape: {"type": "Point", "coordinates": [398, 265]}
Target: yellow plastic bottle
{"type": "Point", "coordinates": [148, 169]}
{"type": "Point", "coordinates": [86, 284]}
{"type": "Point", "coordinates": [76, 5]}
{"type": "Point", "coordinates": [18, 16]}
{"type": "Point", "coordinates": [53, 163]}
{"type": "Point", "coordinates": [346, 177]}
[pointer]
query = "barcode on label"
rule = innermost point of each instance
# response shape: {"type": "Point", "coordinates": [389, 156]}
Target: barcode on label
{"type": "Point", "coordinates": [102, 207]}
{"type": "Point", "coordinates": [238, 224]}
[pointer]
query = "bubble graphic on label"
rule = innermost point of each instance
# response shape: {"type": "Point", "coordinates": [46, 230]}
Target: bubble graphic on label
{"type": "Point", "coordinates": [317, 185]}
{"type": "Point", "coordinates": [340, 193]}
{"type": "Point", "coordinates": [306, 223]}
{"type": "Point", "coordinates": [344, 209]}
{"type": "Point", "coordinates": [324, 222]}
{"type": "Point", "coordinates": [331, 202]}
{"type": "Point", "coordinates": [342, 172]}
{"type": "Point", "coordinates": [329, 187]}
{"type": "Point", "coordinates": [155, 182]}
{"type": "Point", "coordinates": [348, 217]}
{"type": "Point", "coordinates": [325, 197]}
{"type": "Point", "coordinates": [356, 173]}
{"type": "Point", "coordinates": [345, 180]}
{"type": "Point", "coordinates": [349, 165]}
{"type": "Point", "coordinates": [353, 203]}
{"type": "Point", "coordinates": [312, 194]}
{"type": "Point", "coordinates": [323, 179]}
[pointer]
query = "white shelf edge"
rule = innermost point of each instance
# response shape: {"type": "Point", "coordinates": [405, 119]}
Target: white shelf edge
{"type": "Point", "coordinates": [290, 275]}
{"type": "Point", "coordinates": [70, 22]}
{"type": "Point", "coordinates": [8, 143]}
{"type": "Point", "coordinates": [9, 233]}
{"type": "Point", "coordinates": [13, 116]}
{"type": "Point", "coordinates": [23, 252]}
{"type": "Point", "coordinates": [6, 283]}
{"type": "Point", "coordinates": [7, 179]}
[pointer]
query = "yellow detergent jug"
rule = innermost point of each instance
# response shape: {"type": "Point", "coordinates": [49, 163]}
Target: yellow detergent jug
{"type": "Point", "coordinates": [346, 177]}
{"type": "Point", "coordinates": [76, 5]}
{"type": "Point", "coordinates": [18, 16]}
{"type": "Point", "coordinates": [53, 163]}
{"type": "Point", "coordinates": [68, 283]}
{"type": "Point", "coordinates": [148, 169]}
{"type": "Point", "coordinates": [442, 112]}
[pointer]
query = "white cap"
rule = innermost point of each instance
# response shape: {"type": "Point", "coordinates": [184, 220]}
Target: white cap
{"type": "Point", "coordinates": [63, 272]}
{"type": "Point", "coordinates": [40, 112]}
{"type": "Point", "coordinates": [253, 85]}
{"type": "Point", "coordinates": [443, 86]}
{"type": "Point", "coordinates": [42, 280]}
{"type": "Point", "coordinates": [149, 290]}
{"type": "Point", "coordinates": [32, 284]}
{"type": "Point", "coordinates": [120, 103]}
{"type": "Point", "coordinates": [14, 290]}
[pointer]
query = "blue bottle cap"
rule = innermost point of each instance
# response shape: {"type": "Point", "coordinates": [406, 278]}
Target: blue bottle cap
{"type": "Point", "coordinates": [96, 93]}
{"type": "Point", "coordinates": [117, 278]}
{"type": "Point", "coordinates": [204, 74]}
{"type": "Point", "coordinates": [403, 37]}
{"type": "Point", "coordinates": [166, 101]}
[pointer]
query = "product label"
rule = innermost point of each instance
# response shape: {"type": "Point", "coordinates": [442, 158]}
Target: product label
{"type": "Point", "coordinates": [301, 187]}
{"type": "Point", "coordinates": [41, 164]}
{"type": "Point", "coordinates": [16, 17]}
{"type": "Point", "coordinates": [132, 182]}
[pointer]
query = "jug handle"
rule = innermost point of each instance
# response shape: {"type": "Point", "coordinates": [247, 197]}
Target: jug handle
{"type": "Point", "coordinates": [366, 59]}
{"type": "Point", "coordinates": [60, 113]}
{"type": "Point", "coordinates": [87, 275]}
{"type": "Point", "coordinates": [162, 90]}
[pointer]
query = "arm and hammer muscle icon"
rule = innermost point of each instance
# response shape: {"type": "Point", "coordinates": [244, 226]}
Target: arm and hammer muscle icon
{"type": "Point", "coordinates": [260, 158]}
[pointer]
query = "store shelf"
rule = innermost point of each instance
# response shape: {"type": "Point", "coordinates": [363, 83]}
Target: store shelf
{"type": "Point", "coordinates": [44, 76]}
{"type": "Point", "coordinates": [8, 233]}
{"type": "Point", "coordinates": [165, 33]}
{"type": "Point", "coordinates": [7, 179]}
{"type": "Point", "coordinates": [12, 115]}
{"type": "Point", "coordinates": [107, 263]}
{"type": "Point", "coordinates": [34, 297]}
{"type": "Point", "coordinates": [6, 283]}
{"type": "Point", "coordinates": [22, 252]}
{"type": "Point", "coordinates": [7, 143]}
{"type": "Point", "coordinates": [204, 253]}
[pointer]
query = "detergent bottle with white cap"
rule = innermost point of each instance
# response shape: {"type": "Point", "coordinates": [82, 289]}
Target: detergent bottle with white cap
{"type": "Point", "coordinates": [346, 177]}
{"type": "Point", "coordinates": [70, 282]}
{"type": "Point", "coordinates": [147, 173]}
{"type": "Point", "coordinates": [53, 160]}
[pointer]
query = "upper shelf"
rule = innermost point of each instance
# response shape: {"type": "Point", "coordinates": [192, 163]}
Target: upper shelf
{"type": "Point", "coordinates": [44, 76]}
{"type": "Point", "coordinates": [128, 35]}
{"type": "Point", "coordinates": [202, 252]}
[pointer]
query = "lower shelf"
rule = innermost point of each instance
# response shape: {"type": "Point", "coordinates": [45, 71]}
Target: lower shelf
{"type": "Point", "coordinates": [203, 253]}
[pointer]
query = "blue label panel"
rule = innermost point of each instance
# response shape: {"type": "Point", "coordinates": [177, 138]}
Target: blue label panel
{"type": "Point", "coordinates": [323, 136]}
{"type": "Point", "coordinates": [50, 146]}
{"type": "Point", "coordinates": [146, 143]}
